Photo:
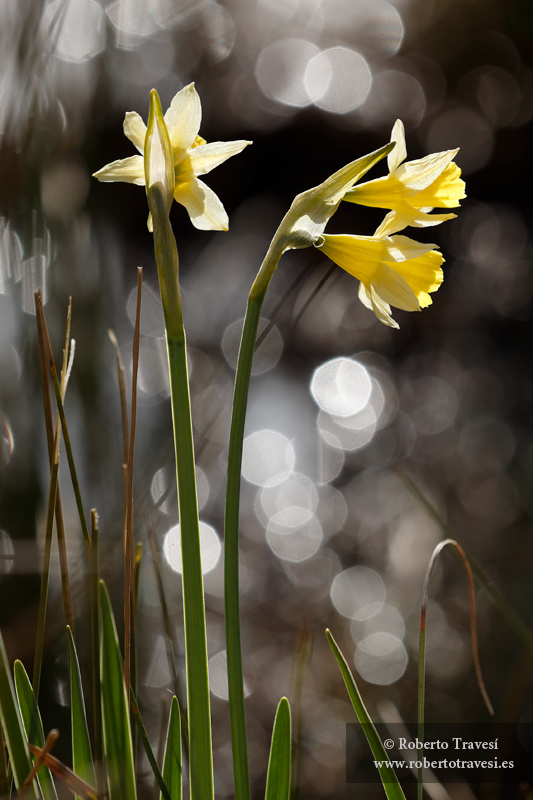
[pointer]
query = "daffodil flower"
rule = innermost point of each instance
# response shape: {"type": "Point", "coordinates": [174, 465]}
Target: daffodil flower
{"type": "Point", "coordinates": [412, 189]}
{"type": "Point", "coordinates": [393, 270]}
{"type": "Point", "coordinates": [191, 157]}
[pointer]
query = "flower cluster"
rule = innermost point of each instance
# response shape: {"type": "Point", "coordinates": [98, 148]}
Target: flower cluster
{"type": "Point", "coordinates": [393, 270]}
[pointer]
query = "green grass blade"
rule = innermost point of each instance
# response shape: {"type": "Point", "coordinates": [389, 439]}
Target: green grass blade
{"type": "Point", "coordinates": [393, 790]}
{"type": "Point", "coordinates": [33, 726]}
{"type": "Point", "coordinates": [278, 785]}
{"type": "Point", "coordinates": [95, 652]}
{"type": "Point", "coordinates": [115, 708]}
{"type": "Point", "coordinates": [13, 727]}
{"type": "Point", "coordinates": [147, 746]}
{"type": "Point", "coordinates": [172, 758]}
{"type": "Point", "coordinates": [6, 778]}
{"type": "Point", "coordinates": [156, 561]}
{"type": "Point", "coordinates": [82, 757]}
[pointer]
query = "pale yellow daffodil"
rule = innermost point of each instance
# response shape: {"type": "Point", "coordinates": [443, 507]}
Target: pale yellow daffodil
{"type": "Point", "coordinates": [412, 189]}
{"type": "Point", "coordinates": [191, 157]}
{"type": "Point", "coordinates": [393, 270]}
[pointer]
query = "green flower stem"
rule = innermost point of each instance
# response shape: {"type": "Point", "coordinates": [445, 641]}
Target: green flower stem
{"type": "Point", "coordinates": [200, 753]}
{"type": "Point", "coordinates": [231, 526]}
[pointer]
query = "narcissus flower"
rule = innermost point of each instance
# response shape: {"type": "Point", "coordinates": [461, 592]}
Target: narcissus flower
{"type": "Point", "coordinates": [393, 270]}
{"type": "Point", "coordinates": [412, 189]}
{"type": "Point", "coordinates": [191, 157]}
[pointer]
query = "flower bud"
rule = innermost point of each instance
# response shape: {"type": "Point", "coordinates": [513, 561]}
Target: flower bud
{"type": "Point", "coordinates": [158, 158]}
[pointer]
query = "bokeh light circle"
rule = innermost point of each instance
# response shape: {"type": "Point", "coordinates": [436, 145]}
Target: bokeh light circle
{"type": "Point", "coordinates": [294, 534]}
{"type": "Point", "coordinates": [338, 79]}
{"type": "Point", "coordinates": [358, 593]}
{"type": "Point", "coordinates": [268, 458]}
{"type": "Point", "coordinates": [281, 68]}
{"type": "Point", "coordinates": [210, 547]}
{"type": "Point", "coordinates": [341, 387]}
{"type": "Point", "coordinates": [381, 658]}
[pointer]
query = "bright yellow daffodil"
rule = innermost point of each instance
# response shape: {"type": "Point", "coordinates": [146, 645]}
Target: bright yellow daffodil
{"type": "Point", "coordinates": [191, 156]}
{"type": "Point", "coordinates": [412, 189]}
{"type": "Point", "coordinates": [393, 270]}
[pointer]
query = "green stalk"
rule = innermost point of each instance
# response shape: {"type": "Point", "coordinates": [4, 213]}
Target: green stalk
{"type": "Point", "coordinates": [231, 524]}
{"type": "Point", "coordinates": [200, 755]}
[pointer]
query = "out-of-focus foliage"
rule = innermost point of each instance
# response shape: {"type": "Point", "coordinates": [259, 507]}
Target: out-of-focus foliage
{"type": "Point", "coordinates": [331, 535]}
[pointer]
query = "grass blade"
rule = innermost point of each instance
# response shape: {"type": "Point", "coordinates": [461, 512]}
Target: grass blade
{"type": "Point", "coordinates": [502, 605]}
{"type": "Point", "coordinates": [278, 784]}
{"type": "Point", "coordinates": [172, 759]}
{"type": "Point", "coordinates": [147, 746]}
{"type": "Point", "coordinates": [393, 790]}
{"type": "Point", "coordinates": [156, 561]}
{"type": "Point", "coordinates": [6, 777]}
{"type": "Point", "coordinates": [129, 617]}
{"type": "Point", "coordinates": [33, 726]}
{"type": "Point", "coordinates": [95, 651]}
{"type": "Point", "coordinates": [13, 728]}
{"type": "Point", "coordinates": [422, 643]}
{"type": "Point", "coordinates": [64, 428]}
{"type": "Point", "coordinates": [118, 747]}
{"type": "Point", "coordinates": [82, 757]}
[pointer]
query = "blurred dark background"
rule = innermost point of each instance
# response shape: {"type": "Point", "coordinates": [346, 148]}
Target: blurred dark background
{"type": "Point", "coordinates": [333, 532]}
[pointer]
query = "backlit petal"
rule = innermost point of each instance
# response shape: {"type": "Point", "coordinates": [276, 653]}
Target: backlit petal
{"type": "Point", "coordinates": [381, 309]}
{"type": "Point", "coordinates": [205, 209]}
{"type": "Point", "coordinates": [445, 191]}
{"type": "Point", "coordinates": [183, 119]}
{"type": "Point", "coordinates": [206, 157]}
{"type": "Point", "coordinates": [394, 289]}
{"type": "Point", "coordinates": [406, 216]}
{"type": "Point", "coordinates": [386, 192]}
{"type": "Point", "coordinates": [399, 154]}
{"type": "Point", "coordinates": [423, 274]}
{"type": "Point", "coordinates": [401, 248]}
{"type": "Point", "coordinates": [129, 170]}
{"type": "Point", "coordinates": [421, 173]}
{"type": "Point", "coordinates": [135, 130]}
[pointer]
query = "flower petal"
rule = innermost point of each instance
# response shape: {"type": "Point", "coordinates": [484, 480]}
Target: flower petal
{"type": "Point", "coordinates": [421, 173]}
{"type": "Point", "coordinates": [394, 289]}
{"type": "Point", "coordinates": [206, 157]}
{"type": "Point", "coordinates": [422, 274]}
{"type": "Point", "coordinates": [401, 248]}
{"type": "Point", "coordinates": [445, 191]}
{"type": "Point", "coordinates": [205, 209]}
{"type": "Point", "coordinates": [183, 119]}
{"type": "Point", "coordinates": [365, 296]}
{"type": "Point", "coordinates": [135, 130]}
{"type": "Point", "coordinates": [381, 309]}
{"type": "Point", "coordinates": [129, 170]}
{"type": "Point", "coordinates": [386, 192]}
{"type": "Point", "coordinates": [399, 154]}
{"type": "Point", "coordinates": [406, 216]}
